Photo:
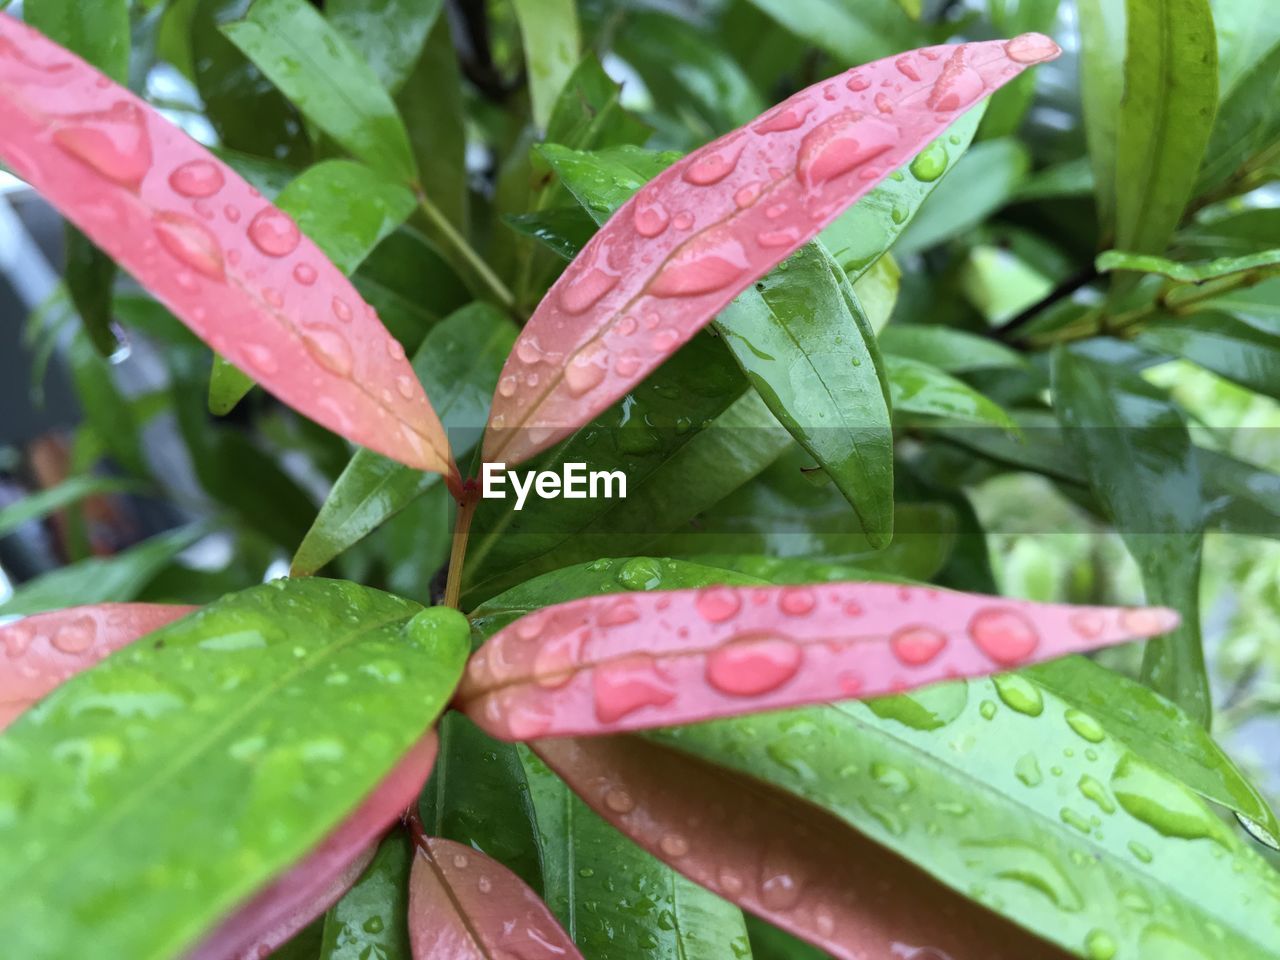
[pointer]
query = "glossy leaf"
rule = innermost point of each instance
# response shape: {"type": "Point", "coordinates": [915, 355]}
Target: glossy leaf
{"type": "Point", "coordinates": [388, 35]}
{"type": "Point", "coordinates": [368, 921]}
{"type": "Point", "coordinates": [248, 726]}
{"type": "Point", "coordinates": [998, 785]}
{"type": "Point", "coordinates": [72, 490]}
{"type": "Point", "coordinates": [458, 366]}
{"type": "Point", "coordinates": [700, 231]}
{"type": "Point", "coordinates": [629, 662]}
{"type": "Point", "coordinates": [1247, 121]}
{"type": "Point", "coordinates": [813, 877]}
{"type": "Point", "coordinates": [116, 578]}
{"type": "Point", "coordinates": [549, 29]}
{"type": "Point", "coordinates": [947, 349]}
{"type": "Point", "coordinates": [135, 185]}
{"type": "Point", "coordinates": [44, 650]}
{"type": "Point", "coordinates": [1219, 342]}
{"type": "Point", "coordinates": [1268, 261]}
{"type": "Point", "coordinates": [333, 86]}
{"type": "Point", "coordinates": [919, 388]}
{"type": "Point", "coordinates": [466, 906]}
{"type": "Point", "coordinates": [97, 32]}
{"type": "Point", "coordinates": [1142, 467]}
{"type": "Point", "coordinates": [1160, 733]}
{"type": "Point", "coordinates": [618, 901]}
{"type": "Point", "coordinates": [315, 883]}
{"type": "Point", "coordinates": [1102, 76]}
{"type": "Point", "coordinates": [1165, 117]}
{"type": "Point", "coordinates": [90, 277]}
{"type": "Point", "coordinates": [851, 32]}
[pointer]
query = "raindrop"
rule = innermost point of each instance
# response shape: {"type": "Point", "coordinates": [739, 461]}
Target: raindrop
{"type": "Point", "coordinates": [930, 163]}
{"type": "Point", "coordinates": [191, 242]}
{"type": "Point", "coordinates": [640, 573]}
{"type": "Point", "coordinates": [673, 845]}
{"type": "Point", "coordinates": [274, 233]}
{"type": "Point", "coordinates": [261, 358]}
{"type": "Point", "coordinates": [619, 801]}
{"type": "Point", "coordinates": [784, 237]}
{"type": "Point", "coordinates": [857, 84]}
{"type": "Point", "coordinates": [957, 86]}
{"type": "Point", "coordinates": [507, 386]}
{"type": "Point", "coordinates": [1162, 803]}
{"type": "Point", "coordinates": [1027, 770]}
{"type": "Point", "coordinates": [1031, 48]}
{"type": "Point", "coordinates": [796, 601]}
{"type": "Point", "coordinates": [779, 891]}
{"type": "Point", "coordinates": [1004, 635]}
{"type": "Point", "coordinates": [627, 364]}
{"type": "Point", "coordinates": [917, 645]}
{"type": "Point", "coordinates": [199, 178]}
{"type": "Point", "coordinates": [76, 636]}
{"type": "Point", "coordinates": [1099, 945]}
{"type": "Point", "coordinates": [787, 117]}
{"type": "Point", "coordinates": [665, 340]}
{"type": "Point", "coordinates": [683, 220]}
{"type": "Point", "coordinates": [623, 686]}
{"type": "Point", "coordinates": [1019, 693]}
{"type": "Point", "coordinates": [751, 666]}
{"type": "Point", "coordinates": [840, 144]}
{"type": "Point", "coordinates": [650, 217]}
{"type": "Point", "coordinates": [232, 213]}
{"type": "Point", "coordinates": [907, 68]}
{"type": "Point", "coordinates": [709, 168]}
{"type": "Point", "coordinates": [330, 348]}
{"type": "Point", "coordinates": [1088, 623]}
{"type": "Point", "coordinates": [1085, 726]}
{"type": "Point", "coordinates": [586, 370]}
{"type": "Point", "coordinates": [706, 263]}
{"type": "Point", "coordinates": [883, 103]}
{"type": "Point", "coordinates": [113, 143]}
{"type": "Point", "coordinates": [405, 386]}
{"type": "Point", "coordinates": [305, 274]}
{"type": "Point", "coordinates": [585, 290]}
{"type": "Point", "coordinates": [1095, 791]}
{"type": "Point", "coordinates": [718, 604]}
{"type": "Point", "coordinates": [341, 310]}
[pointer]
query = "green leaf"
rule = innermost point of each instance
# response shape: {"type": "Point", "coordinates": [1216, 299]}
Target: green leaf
{"type": "Point", "coordinates": [1071, 178]}
{"type": "Point", "coordinates": [877, 290]}
{"type": "Point", "coordinates": [603, 180]}
{"type": "Point", "coordinates": [860, 235]}
{"type": "Point", "coordinates": [248, 113]}
{"type": "Point", "coordinates": [1234, 233]}
{"type": "Point", "coordinates": [97, 32]}
{"type": "Point", "coordinates": [246, 725]}
{"type": "Point", "coordinates": [388, 35]}
{"type": "Point", "coordinates": [1262, 263]}
{"type": "Point", "coordinates": [1246, 33]}
{"type": "Point", "coordinates": [984, 180]}
{"type": "Point", "coordinates": [1242, 498]}
{"type": "Point", "coordinates": [1007, 793]}
{"type": "Point", "coordinates": [1165, 118]}
{"type": "Point", "coordinates": [478, 796]}
{"type": "Point", "coordinates": [1009, 104]}
{"type": "Point", "coordinates": [90, 276]}
{"type": "Point", "coordinates": [564, 231]}
{"type": "Point", "coordinates": [311, 63]}
{"type": "Point", "coordinates": [369, 921]}
{"type": "Point", "coordinates": [550, 32]}
{"type": "Point", "coordinates": [851, 32]}
{"type": "Point", "coordinates": [925, 390]}
{"type": "Point", "coordinates": [1102, 77]}
{"type": "Point", "coordinates": [347, 210]}
{"type": "Point", "coordinates": [106, 410]}
{"type": "Point", "coordinates": [808, 350]}
{"type": "Point", "coordinates": [1219, 342]}
{"type": "Point", "coordinates": [1143, 468]}
{"type": "Point", "coordinates": [616, 900]}
{"type": "Point", "coordinates": [69, 491]}
{"type": "Point", "coordinates": [458, 365]}
{"type": "Point", "coordinates": [1247, 122]}
{"type": "Point", "coordinates": [955, 351]}
{"type": "Point", "coordinates": [683, 64]}
{"type": "Point", "coordinates": [410, 285]}
{"type": "Point", "coordinates": [1161, 734]}
{"type": "Point", "coordinates": [113, 579]}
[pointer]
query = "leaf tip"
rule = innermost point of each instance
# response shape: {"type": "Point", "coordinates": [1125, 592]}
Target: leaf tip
{"type": "Point", "coordinates": [1032, 48]}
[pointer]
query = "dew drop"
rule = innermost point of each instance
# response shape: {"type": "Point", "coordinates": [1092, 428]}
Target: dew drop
{"type": "Point", "coordinates": [840, 144]}
{"type": "Point", "coordinates": [330, 348]}
{"type": "Point", "coordinates": [232, 213]}
{"type": "Point", "coordinates": [76, 636]}
{"type": "Point", "coordinates": [199, 178]}
{"type": "Point", "coordinates": [1004, 635]}
{"type": "Point", "coordinates": [747, 195]}
{"type": "Point", "coordinates": [1088, 624]}
{"type": "Point", "coordinates": [395, 350]}
{"type": "Point", "coordinates": [619, 801]}
{"type": "Point", "coordinates": [683, 220]}
{"type": "Point", "coordinates": [1085, 725]}
{"type": "Point", "coordinates": [718, 604]}
{"type": "Point", "coordinates": [751, 666]}
{"type": "Point", "coordinates": [705, 264]}
{"type": "Point", "coordinates": [261, 358]}
{"type": "Point", "coordinates": [586, 370]}
{"type": "Point", "coordinates": [779, 891]}
{"type": "Point", "coordinates": [113, 143]}
{"type": "Point", "coordinates": [1027, 770]}
{"type": "Point", "coordinates": [507, 386]}
{"type": "Point", "coordinates": [930, 163]}
{"type": "Point", "coordinates": [628, 364]}
{"type": "Point", "coordinates": [1162, 803]}
{"type": "Point", "coordinates": [650, 217]}
{"type": "Point", "coordinates": [274, 233]}
{"type": "Point", "coordinates": [190, 242]}
{"type": "Point", "coordinates": [797, 601]}
{"type": "Point", "coordinates": [305, 274]}
{"type": "Point", "coordinates": [624, 686]}
{"type": "Point", "coordinates": [673, 845]}
{"type": "Point", "coordinates": [584, 291]}
{"type": "Point", "coordinates": [640, 573]}
{"type": "Point", "coordinates": [784, 237]}
{"type": "Point", "coordinates": [714, 166]}
{"type": "Point", "coordinates": [883, 103]}
{"type": "Point", "coordinates": [1092, 790]}
{"type": "Point", "coordinates": [618, 612]}
{"type": "Point", "coordinates": [957, 86]}
{"type": "Point", "coordinates": [1031, 48]}
{"type": "Point", "coordinates": [341, 310]}
{"type": "Point", "coordinates": [273, 297]}
{"type": "Point", "coordinates": [1100, 945]}
{"type": "Point", "coordinates": [1019, 694]}
{"type": "Point", "coordinates": [917, 645]}
{"type": "Point", "coordinates": [787, 117]}
{"type": "Point", "coordinates": [1148, 621]}
{"type": "Point", "coordinates": [857, 84]}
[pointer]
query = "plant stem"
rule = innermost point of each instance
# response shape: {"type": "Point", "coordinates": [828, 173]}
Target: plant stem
{"type": "Point", "coordinates": [1007, 330]}
{"type": "Point", "coordinates": [457, 243]}
{"type": "Point", "coordinates": [458, 553]}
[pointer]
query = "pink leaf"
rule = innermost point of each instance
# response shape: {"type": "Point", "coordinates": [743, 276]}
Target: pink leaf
{"type": "Point", "coordinates": [780, 857]}
{"type": "Point", "coordinates": [633, 661]}
{"type": "Point", "coordinates": [234, 268]}
{"type": "Point", "coordinates": [48, 648]}
{"type": "Point", "coordinates": [465, 906]}
{"type": "Point", "coordinates": [696, 235]}
{"type": "Point", "coordinates": [317, 882]}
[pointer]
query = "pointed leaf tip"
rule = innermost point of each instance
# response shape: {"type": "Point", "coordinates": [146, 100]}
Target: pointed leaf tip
{"type": "Point", "coordinates": [48, 648]}
{"type": "Point", "coordinates": [697, 234]}
{"type": "Point", "coordinates": [234, 268]}
{"type": "Point", "coordinates": [635, 661]}
{"type": "Point", "coordinates": [466, 906]}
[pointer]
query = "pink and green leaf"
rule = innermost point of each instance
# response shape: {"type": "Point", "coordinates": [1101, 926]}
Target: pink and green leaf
{"type": "Point", "coordinates": [625, 662]}
{"type": "Point", "coordinates": [704, 229]}
{"type": "Point", "coordinates": [234, 268]}
{"type": "Point", "coordinates": [48, 648]}
{"type": "Point", "coordinates": [465, 906]}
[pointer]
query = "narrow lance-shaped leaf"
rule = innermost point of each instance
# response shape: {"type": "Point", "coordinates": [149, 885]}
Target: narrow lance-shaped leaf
{"type": "Point", "coordinates": [247, 725]}
{"type": "Point", "coordinates": [44, 650]}
{"type": "Point", "coordinates": [778, 857]}
{"type": "Point", "coordinates": [234, 268]}
{"type": "Point", "coordinates": [686, 244]}
{"type": "Point", "coordinates": [602, 664]}
{"type": "Point", "coordinates": [549, 29]}
{"type": "Point", "coordinates": [1267, 261]}
{"type": "Point", "coordinates": [315, 883]}
{"type": "Point", "coordinates": [465, 906]}
{"type": "Point", "coordinates": [368, 921]}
